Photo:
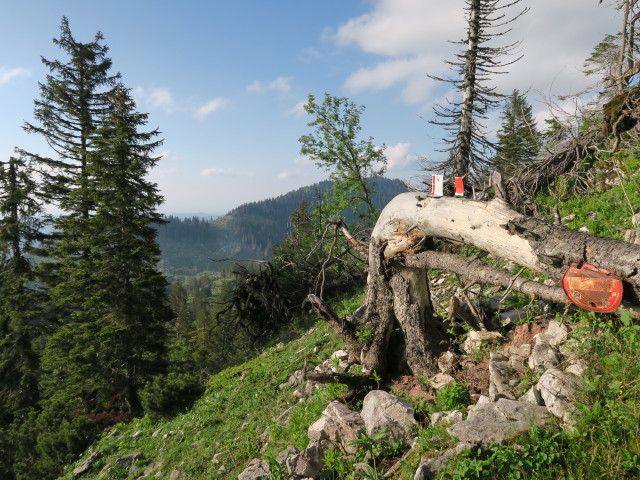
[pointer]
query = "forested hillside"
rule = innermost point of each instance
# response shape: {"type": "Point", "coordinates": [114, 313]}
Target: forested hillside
{"type": "Point", "coordinates": [248, 232]}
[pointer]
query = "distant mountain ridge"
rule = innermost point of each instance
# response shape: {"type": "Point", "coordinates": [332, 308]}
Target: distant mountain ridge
{"type": "Point", "coordinates": [194, 244]}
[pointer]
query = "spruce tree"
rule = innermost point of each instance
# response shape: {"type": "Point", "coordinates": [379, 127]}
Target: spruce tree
{"type": "Point", "coordinates": [113, 339]}
{"type": "Point", "coordinates": [19, 302]}
{"type": "Point", "coordinates": [20, 309]}
{"type": "Point", "coordinates": [72, 102]}
{"type": "Point", "coordinates": [518, 136]}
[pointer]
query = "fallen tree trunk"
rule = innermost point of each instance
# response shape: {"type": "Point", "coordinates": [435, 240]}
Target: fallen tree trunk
{"type": "Point", "coordinates": [406, 333]}
{"type": "Point", "coordinates": [501, 231]}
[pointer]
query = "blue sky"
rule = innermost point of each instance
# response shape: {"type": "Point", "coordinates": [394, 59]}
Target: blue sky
{"type": "Point", "coordinates": [225, 81]}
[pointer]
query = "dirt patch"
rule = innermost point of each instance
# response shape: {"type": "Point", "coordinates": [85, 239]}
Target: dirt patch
{"type": "Point", "coordinates": [476, 377]}
{"type": "Point", "coordinates": [412, 387]}
{"type": "Point", "coordinates": [523, 334]}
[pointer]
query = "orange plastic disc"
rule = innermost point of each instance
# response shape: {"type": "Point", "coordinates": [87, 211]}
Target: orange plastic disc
{"type": "Point", "coordinates": [592, 288]}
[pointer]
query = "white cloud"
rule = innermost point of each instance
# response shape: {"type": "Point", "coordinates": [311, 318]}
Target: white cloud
{"type": "Point", "coordinates": [7, 74]}
{"type": "Point", "coordinates": [298, 109]}
{"type": "Point", "coordinates": [292, 174]}
{"type": "Point", "coordinates": [403, 27]}
{"type": "Point", "coordinates": [280, 84]}
{"type": "Point", "coordinates": [161, 98]}
{"type": "Point", "coordinates": [210, 107]}
{"type": "Point", "coordinates": [226, 172]}
{"type": "Point", "coordinates": [399, 156]}
{"type": "Point", "coordinates": [411, 38]}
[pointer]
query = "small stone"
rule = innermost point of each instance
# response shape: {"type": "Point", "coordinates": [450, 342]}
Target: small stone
{"type": "Point", "coordinates": [448, 362]}
{"type": "Point", "coordinates": [129, 459]}
{"type": "Point", "coordinates": [442, 380]}
{"type": "Point", "coordinates": [87, 464]}
{"type": "Point", "coordinates": [256, 470]}
{"type": "Point", "coordinates": [568, 218]}
{"type": "Point", "coordinates": [176, 475]}
{"type": "Point", "coordinates": [577, 369]}
{"type": "Point", "coordinates": [592, 215]}
{"type": "Point", "coordinates": [475, 339]}
{"type": "Point", "coordinates": [137, 434]}
{"type": "Point", "coordinates": [583, 229]}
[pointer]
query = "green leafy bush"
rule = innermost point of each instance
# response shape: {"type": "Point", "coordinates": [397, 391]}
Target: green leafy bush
{"type": "Point", "coordinates": [170, 394]}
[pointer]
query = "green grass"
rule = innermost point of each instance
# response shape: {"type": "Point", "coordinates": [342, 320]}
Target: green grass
{"type": "Point", "coordinates": [240, 404]}
{"type": "Point", "coordinates": [614, 205]}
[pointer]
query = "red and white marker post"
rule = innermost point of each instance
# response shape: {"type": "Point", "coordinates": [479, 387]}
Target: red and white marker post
{"type": "Point", "coordinates": [459, 187]}
{"type": "Point", "coordinates": [436, 185]}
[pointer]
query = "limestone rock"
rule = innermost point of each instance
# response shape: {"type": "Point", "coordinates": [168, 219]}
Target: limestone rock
{"type": "Point", "coordinates": [442, 380]}
{"type": "Point", "coordinates": [129, 459]}
{"type": "Point", "coordinates": [176, 475]}
{"type": "Point", "coordinates": [558, 390]}
{"type": "Point", "coordinates": [306, 464]}
{"type": "Point", "coordinates": [543, 357]}
{"type": "Point", "coordinates": [475, 340]}
{"type": "Point", "coordinates": [87, 464]}
{"type": "Point", "coordinates": [337, 428]}
{"type": "Point", "coordinates": [382, 411]}
{"type": "Point", "coordinates": [518, 356]}
{"type": "Point", "coordinates": [297, 378]}
{"type": "Point", "coordinates": [284, 455]}
{"type": "Point", "coordinates": [578, 369]}
{"type": "Point", "coordinates": [533, 396]}
{"type": "Point", "coordinates": [500, 372]}
{"type": "Point", "coordinates": [447, 417]}
{"type": "Point", "coordinates": [494, 422]}
{"type": "Point", "coordinates": [555, 334]}
{"type": "Point", "coordinates": [429, 468]}
{"type": "Point", "coordinates": [448, 362]}
{"type": "Point", "coordinates": [256, 470]}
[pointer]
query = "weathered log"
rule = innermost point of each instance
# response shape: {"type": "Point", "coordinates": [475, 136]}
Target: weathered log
{"type": "Point", "coordinates": [406, 334]}
{"type": "Point", "coordinates": [339, 325]}
{"type": "Point", "coordinates": [501, 231]}
{"type": "Point", "coordinates": [474, 270]}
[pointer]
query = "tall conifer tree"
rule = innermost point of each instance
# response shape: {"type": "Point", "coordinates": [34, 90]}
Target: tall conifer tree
{"type": "Point", "coordinates": [518, 136]}
{"type": "Point", "coordinates": [20, 308]}
{"type": "Point", "coordinates": [113, 343]}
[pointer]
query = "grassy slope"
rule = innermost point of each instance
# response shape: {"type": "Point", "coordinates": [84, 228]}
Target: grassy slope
{"type": "Point", "coordinates": [242, 402]}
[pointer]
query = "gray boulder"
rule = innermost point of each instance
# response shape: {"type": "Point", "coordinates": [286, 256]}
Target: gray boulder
{"type": "Point", "coordinates": [448, 362]}
{"type": "Point", "coordinates": [87, 464]}
{"type": "Point", "coordinates": [543, 356]}
{"type": "Point", "coordinates": [129, 459]}
{"type": "Point", "coordinates": [383, 412]}
{"type": "Point", "coordinates": [306, 464]}
{"type": "Point", "coordinates": [256, 470]}
{"type": "Point", "coordinates": [500, 374]}
{"type": "Point", "coordinates": [494, 422]}
{"type": "Point", "coordinates": [337, 428]}
{"type": "Point", "coordinates": [558, 390]}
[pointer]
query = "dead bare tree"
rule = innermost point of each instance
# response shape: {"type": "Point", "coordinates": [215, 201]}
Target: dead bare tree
{"type": "Point", "coordinates": [398, 311]}
{"type": "Point", "coordinates": [468, 149]}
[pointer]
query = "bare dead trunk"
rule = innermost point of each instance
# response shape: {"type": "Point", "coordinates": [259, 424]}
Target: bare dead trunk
{"type": "Point", "coordinates": [405, 333]}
